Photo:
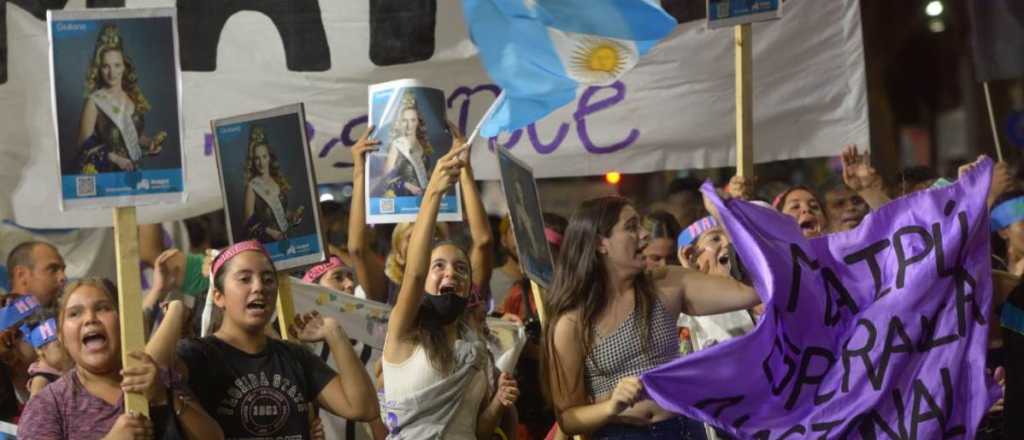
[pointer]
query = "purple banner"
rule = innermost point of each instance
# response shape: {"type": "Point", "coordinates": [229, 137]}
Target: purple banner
{"type": "Point", "coordinates": [877, 332]}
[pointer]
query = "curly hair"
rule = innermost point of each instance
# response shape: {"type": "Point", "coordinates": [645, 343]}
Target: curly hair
{"type": "Point", "coordinates": [109, 40]}
{"type": "Point", "coordinates": [257, 139]}
{"type": "Point", "coordinates": [409, 103]}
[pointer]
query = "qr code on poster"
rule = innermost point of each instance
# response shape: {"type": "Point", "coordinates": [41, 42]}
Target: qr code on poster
{"type": "Point", "coordinates": [85, 186]}
{"type": "Point", "coordinates": [387, 206]}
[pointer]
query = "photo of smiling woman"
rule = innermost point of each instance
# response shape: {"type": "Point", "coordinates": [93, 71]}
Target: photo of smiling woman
{"type": "Point", "coordinates": [111, 129]}
{"type": "Point", "coordinates": [266, 193]}
{"type": "Point", "coordinates": [116, 99]}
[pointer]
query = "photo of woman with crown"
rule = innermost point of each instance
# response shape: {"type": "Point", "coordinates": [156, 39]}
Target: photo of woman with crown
{"type": "Point", "coordinates": [410, 124]}
{"type": "Point", "coordinates": [266, 192]}
{"type": "Point", "coordinates": [269, 185]}
{"type": "Point", "coordinates": [118, 119]}
{"type": "Point", "coordinates": [112, 121]}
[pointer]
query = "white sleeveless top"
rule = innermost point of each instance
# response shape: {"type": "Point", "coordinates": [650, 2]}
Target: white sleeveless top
{"type": "Point", "coordinates": [416, 373]}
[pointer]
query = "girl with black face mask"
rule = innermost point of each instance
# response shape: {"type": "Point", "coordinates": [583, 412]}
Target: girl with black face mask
{"type": "Point", "coordinates": [436, 371]}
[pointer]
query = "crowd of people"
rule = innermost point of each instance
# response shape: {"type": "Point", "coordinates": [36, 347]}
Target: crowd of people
{"type": "Point", "coordinates": [634, 287]}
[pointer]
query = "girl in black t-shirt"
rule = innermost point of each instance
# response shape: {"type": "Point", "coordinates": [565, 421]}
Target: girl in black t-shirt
{"type": "Point", "coordinates": [258, 387]}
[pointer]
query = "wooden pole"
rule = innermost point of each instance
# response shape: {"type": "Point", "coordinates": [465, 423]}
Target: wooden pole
{"type": "Point", "coordinates": [538, 300]}
{"type": "Point", "coordinates": [129, 284]}
{"type": "Point", "coordinates": [744, 102]}
{"type": "Point", "coordinates": [285, 305]}
{"type": "Point", "coordinates": [992, 122]}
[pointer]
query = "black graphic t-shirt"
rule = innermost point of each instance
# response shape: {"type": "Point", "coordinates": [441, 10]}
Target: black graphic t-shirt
{"type": "Point", "coordinates": [256, 396]}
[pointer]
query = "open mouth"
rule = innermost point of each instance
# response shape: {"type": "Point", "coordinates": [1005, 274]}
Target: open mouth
{"type": "Point", "coordinates": [257, 305]}
{"type": "Point", "coordinates": [94, 340]}
{"type": "Point", "coordinates": [447, 287]}
{"type": "Point", "coordinates": [809, 226]}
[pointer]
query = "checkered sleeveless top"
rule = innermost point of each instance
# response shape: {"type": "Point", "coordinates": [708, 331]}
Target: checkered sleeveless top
{"type": "Point", "coordinates": [619, 354]}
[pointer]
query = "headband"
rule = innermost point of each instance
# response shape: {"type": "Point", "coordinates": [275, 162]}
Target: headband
{"type": "Point", "coordinates": [553, 237]}
{"type": "Point", "coordinates": [18, 310]}
{"type": "Point", "coordinates": [314, 273]}
{"type": "Point", "coordinates": [42, 334]}
{"type": "Point", "coordinates": [234, 250]}
{"type": "Point", "coordinates": [690, 234]}
{"type": "Point", "coordinates": [1007, 213]}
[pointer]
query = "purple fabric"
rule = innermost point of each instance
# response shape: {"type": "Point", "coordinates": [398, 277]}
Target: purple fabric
{"type": "Point", "coordinates": [875, 332]}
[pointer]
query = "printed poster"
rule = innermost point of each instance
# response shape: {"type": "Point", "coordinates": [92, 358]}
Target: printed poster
{"type": "Point", "coordinates": [412, 130]}
{"type": "Point", "coordinates": [268, 184]}
{"type": "Point", "coordinates": [116, 92]}
{"type": "Point", "coordinates": [725, 13]}
{"type": "Point", "coordinates": [523, 201]}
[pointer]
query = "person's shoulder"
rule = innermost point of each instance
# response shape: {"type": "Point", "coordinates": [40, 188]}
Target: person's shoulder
{"type": "Point", "coordinates": [192, 348]}
{"type": "Point", "coordinates": [53, 394]}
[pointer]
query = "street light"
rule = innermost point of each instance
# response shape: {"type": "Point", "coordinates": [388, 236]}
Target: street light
{"type": "Point", "coordinates": [934, 8]}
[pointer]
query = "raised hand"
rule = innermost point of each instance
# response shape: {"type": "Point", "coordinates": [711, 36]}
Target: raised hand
{"type": "Point", "coordinates": [858, 174]}
{"type": "Point", "coordinates": [446, 173]}
{"type": "Point", "coordinates": [164, 278]}
{"type": "Point", "coordinates": [312, 327]}
{"type": "Point", "coordinates": [741, 187]}
{"type": "Point", "coordinates": [363, 145]}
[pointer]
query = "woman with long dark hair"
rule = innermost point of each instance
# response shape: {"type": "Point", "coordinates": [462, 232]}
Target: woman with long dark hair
{"type": "Point", "coordinates": [610, 321]}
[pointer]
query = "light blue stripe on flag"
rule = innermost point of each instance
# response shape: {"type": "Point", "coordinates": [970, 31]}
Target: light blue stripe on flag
{"type": "Point", "coordinates": [514, 38]}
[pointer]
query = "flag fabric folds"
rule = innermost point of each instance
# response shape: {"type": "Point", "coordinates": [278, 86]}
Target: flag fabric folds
{"type": "Point", "coordinates": [540, 51]}
{"type": "Point", "coordinates": [877, 332]}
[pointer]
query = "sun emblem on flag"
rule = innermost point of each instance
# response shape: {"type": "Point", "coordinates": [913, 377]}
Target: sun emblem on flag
{"type": "Point", "coordinates": [600, 61]}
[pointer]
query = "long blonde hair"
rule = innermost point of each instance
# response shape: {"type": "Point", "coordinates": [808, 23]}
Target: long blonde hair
{"type": "Point", "coordinates": [109, 40]}
{"type": "Point", "coordinates": [409, 103]}
{"type": "Point", "coordinates": [258, 138]}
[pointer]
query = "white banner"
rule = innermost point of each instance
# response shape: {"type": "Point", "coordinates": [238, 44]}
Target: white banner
{"type": "Point", "coordinates": [674, 111]}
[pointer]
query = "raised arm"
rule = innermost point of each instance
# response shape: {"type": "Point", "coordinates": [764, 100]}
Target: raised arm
{"type": "Point", "coordinates": [403, 315]}
{"type": "Point", "coordinates": [480, 255]}
{"type": "Point", "coordinates": [350, 393]}
{"type": "Point", "coordinates": [699, 294]}
{"type": "Point", "coordinates": [862, 178]}
{"type": "Point", "coordinates": [369, 270]}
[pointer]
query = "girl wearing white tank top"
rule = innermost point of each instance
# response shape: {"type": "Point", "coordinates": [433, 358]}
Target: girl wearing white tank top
{"type": "Point", "coordinates": [428, 344]}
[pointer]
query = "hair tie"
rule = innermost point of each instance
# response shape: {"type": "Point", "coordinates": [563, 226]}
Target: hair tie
{"type": "Point", "coordinates": [234, 250]}
{"type": "Point", "coordinates": [690, 234]}
{"type": "Point", "coordinates": [314, 273]}
{"type": "Point", "coordinates": [1007, 213]}
{"type": "Point", "coordinates": [552, 236]}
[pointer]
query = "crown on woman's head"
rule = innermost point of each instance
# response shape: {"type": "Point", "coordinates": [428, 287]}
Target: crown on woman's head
{"type": "Point", "coordinates": [257, 136]}
{"type": "Point", "coordinates": [109, 37]}
{"type": "Point", "coordinates": [408, 99]}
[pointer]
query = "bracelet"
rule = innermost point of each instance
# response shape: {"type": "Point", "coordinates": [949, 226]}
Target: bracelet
{"type": "Point", "coordinates": [184, 403]}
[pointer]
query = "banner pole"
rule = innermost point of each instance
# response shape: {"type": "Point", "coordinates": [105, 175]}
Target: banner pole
{"type": "Point", "coordinates": [285, 305]}
{"type": "Point", "coordinates": [486, 116]}
{"type": "Point", "coordinates": [537, 296]}
{"type": "Point", "coordinates": [744, 101]}
{"type": "Point", "coordinates": [129, 286]}
{"type": "Point", "coordinates": [992, 121]}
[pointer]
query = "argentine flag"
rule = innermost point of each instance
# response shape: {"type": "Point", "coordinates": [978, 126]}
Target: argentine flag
{"type": "Point", "coordinates": [540, 51]}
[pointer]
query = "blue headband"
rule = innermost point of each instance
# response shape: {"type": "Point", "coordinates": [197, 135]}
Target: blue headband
{"type": "Point", "coordinates": [1007, 213]}
{"type": "Point", "coordinates": [42, 334]}
{"type": "Point", "coordinates": [690, 234]}
{"type": "Point", "coordinates": [17, 311]}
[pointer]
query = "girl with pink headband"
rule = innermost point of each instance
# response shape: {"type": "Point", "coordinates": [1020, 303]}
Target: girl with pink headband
{"type": "Point", "coordinates": [261, 387]}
